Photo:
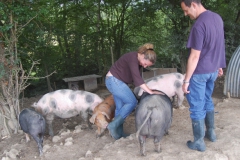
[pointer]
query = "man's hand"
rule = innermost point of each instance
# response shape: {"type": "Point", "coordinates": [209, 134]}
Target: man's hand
{"type": "Point", "coordinates": [220, 72]}
{"type": "Point", "coordinates": [185, 88]}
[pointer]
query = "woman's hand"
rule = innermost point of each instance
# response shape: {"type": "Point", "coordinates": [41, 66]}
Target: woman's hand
{"type": "Point", "coordinates": [157, 92]}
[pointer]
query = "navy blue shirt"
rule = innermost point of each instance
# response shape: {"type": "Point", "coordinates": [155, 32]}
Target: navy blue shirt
{"type": "Point", "coordinates": [207, 36]}
{"type": "Point", "coordinates": [127, 69]}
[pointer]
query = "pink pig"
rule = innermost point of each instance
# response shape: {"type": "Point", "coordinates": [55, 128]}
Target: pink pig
{"type": "Point", "coordinates": [66, 103]}
{"type": "Point", "coordinates": [170, 84]}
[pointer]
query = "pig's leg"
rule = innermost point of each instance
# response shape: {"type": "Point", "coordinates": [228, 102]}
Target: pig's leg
{"type": "Point", "coordinates": [157, 144]}
{"type": "Point", "coordinates": [98, 132]}
{"type": "Point", "coordinates": [41, 138]}
{"type": "Point", "coordinates": [27, 137]}
{"type": "Point", "coordinates": [180, 96]}
{"type": "Point", "coordinates": [178, 90]}
{"type": "Point", "coordinates": [174, 101]}
{"type": "Point", "coordinates": [85, 118]}
{"type": "Point", "coordinates": [39, 143]}
{"type": "Point", "coordinates": [166, 133]}
{"type": "Point", "coordinates": [142, 140]}
{"type": "Point", "coordinates": [49, 119]}
{"type": "Point", "coordinates": [101, 131]}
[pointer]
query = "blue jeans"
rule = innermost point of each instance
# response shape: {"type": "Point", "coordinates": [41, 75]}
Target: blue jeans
{"type": "Point", "coordinates": [200, 97]}
{"type": "Point", "coordinates": [123, 96]}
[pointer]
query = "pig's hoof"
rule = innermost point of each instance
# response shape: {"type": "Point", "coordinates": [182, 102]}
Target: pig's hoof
{"type": "Point", "coordinates": [90, 128]}
{"type": "Point", "coordinates": [41, 153]}
{"type": "Point", "coordinates": [175, 107]}
{"type": "Point", "coordinates": [84, 126]}
{"type": "Point", "coordinates": [158, 151]}
{"type": "Point", "coordinates": [143, 154]}
{"type": "Point", "coordinates": [182, 107]}
{"type": "Point", "coordinates": [98, 135]}
{"type": "Point", "coordinates": [51, 134]}
{"type": "Point", "coordinates": [166, 133]}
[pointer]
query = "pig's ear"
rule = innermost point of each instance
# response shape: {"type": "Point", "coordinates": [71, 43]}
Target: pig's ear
{"type": "Point", "coordinates": [92, 119]}
{"type": "Point", "coordinates": [105, 114]}
{"type": "Point", "coordinates": [39, 110]}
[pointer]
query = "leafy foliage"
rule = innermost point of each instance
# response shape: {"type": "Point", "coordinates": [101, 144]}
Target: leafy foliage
{"type": "Point", "coordinates": [77, 38]}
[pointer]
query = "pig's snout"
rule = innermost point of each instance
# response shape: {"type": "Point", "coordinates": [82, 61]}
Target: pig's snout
{"type": "Point", "coordinates": [103, 123]}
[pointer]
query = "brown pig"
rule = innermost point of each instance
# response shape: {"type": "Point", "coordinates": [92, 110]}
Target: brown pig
{"type": "Point", "coordinates": [103, 114]}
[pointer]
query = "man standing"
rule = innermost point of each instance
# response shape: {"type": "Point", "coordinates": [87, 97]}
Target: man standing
{"type": "Point", "coordinates": [205, 63]}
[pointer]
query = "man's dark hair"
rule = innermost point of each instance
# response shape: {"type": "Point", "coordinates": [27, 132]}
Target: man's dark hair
{"type": "Point", "coordinates": [188, 2]}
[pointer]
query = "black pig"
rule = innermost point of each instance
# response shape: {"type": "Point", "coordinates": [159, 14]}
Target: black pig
{"type": "Point", "coordinates": [33, 123]}
{"type": "Point", "coordinates": [153, 119]}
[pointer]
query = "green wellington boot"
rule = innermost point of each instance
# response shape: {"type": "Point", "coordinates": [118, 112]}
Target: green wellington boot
{"type": "Point", "coordinates": [121, 132]}
{"type": "Point", "coordinates": [209, 122]}
{"type": "Point", "coordinates": [114, 125]}
{"type": "Point", "coordinates": [198, 133]}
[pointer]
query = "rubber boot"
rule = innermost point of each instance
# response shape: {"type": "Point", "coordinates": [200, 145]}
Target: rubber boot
{"type": "Point", "coordinates": [209, 122]}
{"type": "Point", "coordinates": [113, 127]}
{"type": "Point", "coordinates": [198, 133]}
{"type": "Point", "coordinates": [121, 133]}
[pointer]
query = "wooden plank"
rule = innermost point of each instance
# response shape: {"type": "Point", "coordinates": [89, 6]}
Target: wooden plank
{"type": "Point", "coordinates": [79, 78]}
{"type": "Point", "coordinates": [89, 81]}
{"type": "Point", "coordinates": [148, 74]}
{"type": "Point", "coordinates": [73, 85]}
{"type": "Point", "coordinates": [157, 71]}
{"type": "Point", "coordinates": [165, 71]}
{"type": "Point", "coordinates": [90, 84]}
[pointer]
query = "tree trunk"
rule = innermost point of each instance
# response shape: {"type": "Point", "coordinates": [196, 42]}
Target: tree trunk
{"type": "Point", "coordinates": [12, 83]}
{"type": "Point", "coordinates": [50, 89]}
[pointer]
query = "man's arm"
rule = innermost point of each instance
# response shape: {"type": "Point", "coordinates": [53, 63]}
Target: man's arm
{"type": "Point", "coordinates": [191, 66]}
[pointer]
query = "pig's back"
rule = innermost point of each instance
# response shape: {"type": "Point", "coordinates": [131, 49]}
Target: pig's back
{"type": "Point", "coordinates": [160, 118]}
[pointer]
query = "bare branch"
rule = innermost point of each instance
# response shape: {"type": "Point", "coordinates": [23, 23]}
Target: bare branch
{"type": "Point", "coordinates": [27, 23]}
{"type": "Point", "coordinates": [41, 77]}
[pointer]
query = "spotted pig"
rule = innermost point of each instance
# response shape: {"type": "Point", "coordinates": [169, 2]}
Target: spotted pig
{"type": "Point", "coordinates": [66, 103]}
{"type": "Point", "coordinates": [170, 83]}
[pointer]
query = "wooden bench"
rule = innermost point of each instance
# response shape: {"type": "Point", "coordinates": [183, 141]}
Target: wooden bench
{"type": "Point", "coordinates": [89, 82]}
{"type": "Point", "coordinates": [157, 71]}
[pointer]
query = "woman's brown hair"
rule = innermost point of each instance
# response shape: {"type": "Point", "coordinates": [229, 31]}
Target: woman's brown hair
{"type": "Point", "coordinates": [147, 50]}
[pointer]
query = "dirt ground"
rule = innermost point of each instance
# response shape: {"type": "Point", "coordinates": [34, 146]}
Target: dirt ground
{"type": "Point", "coordinates": [73, 143]}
